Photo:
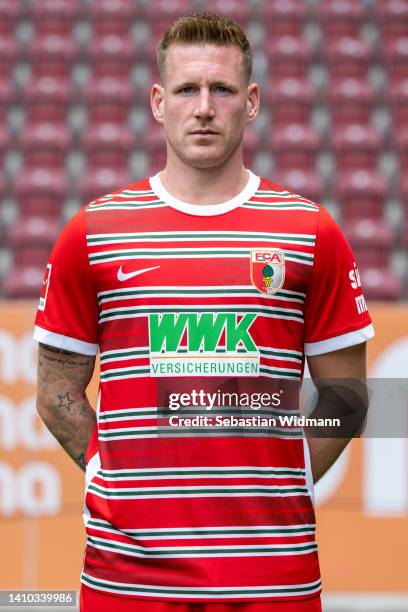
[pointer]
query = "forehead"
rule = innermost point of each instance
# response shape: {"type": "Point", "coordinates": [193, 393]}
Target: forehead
{"type": "Point", "coordinates": [197, 61]}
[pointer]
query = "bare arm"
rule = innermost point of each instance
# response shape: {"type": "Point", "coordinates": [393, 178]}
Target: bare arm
{"type": "Point", "coordinates": [61, 399]}
{"type": "Point", "coordinates": [349, 365]}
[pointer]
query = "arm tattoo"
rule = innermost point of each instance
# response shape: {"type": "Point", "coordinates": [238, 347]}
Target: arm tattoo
{"type": "Point", "coordinates": [61, 399]}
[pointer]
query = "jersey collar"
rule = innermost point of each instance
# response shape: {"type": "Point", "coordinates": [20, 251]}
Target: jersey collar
{"type": "Point", "coordinates": [206, 210]}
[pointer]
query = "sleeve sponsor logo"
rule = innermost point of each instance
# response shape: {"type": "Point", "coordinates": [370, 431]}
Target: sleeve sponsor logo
{"type": "Point", "coordinates": [45, 287]}
{"type": "Point", "coordinates": [354, 277]}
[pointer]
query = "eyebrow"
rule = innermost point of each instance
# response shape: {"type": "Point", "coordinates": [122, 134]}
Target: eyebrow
{"type": "Point", "coordinates": [226, 84]}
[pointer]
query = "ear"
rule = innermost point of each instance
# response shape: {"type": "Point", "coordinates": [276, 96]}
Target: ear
{"type": "Point", "coordinates": [157, 102]}
{"type": "Point", "coordinates": [253, 99]}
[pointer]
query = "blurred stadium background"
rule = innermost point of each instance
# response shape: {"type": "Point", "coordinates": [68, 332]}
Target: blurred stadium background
{"type": "Point", "coordinates": [75, 123]}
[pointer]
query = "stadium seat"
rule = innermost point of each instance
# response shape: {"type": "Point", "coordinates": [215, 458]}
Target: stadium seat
{"type": "Point", "coordinates": [52, 55]}
{"type": "Point", "coordinates": [295, 147]}
{"type": "Point", "coordinates": [283, 17]}
{"type": "Point", "coordinates": [6, 97]}
{"type": "Point", "coordinates": [41, 192]}
{"type": "Point", "coordinates": [371, 241]}
{"type": "Point", "coordinates": [289, 56]}
{"type": "Point", "coordinates": [9, 54]}
{"type": "Point", "coordinates": [155, 145]}
{"type": "Point", "coordinates": [392, 19]}
{"type": "Point", "coordinates": [101, 181]}
{"type": "Point", "coordinates": [4, 142]}
{"type": "Point", "coordinates": [54, 16]}
{"type": "Point", "coordinates": [351, 101]}
{"type": "Point", "coordinates": [401, 143]}
{"type": "Point", "coordinates": [32, 238]}
{"type": "Point", "coordinates": [108, 145]}
{"type": "Point", "coordinates": [47, 99]}
{"type": "Point", "coordinates": [307, 184]}
{"type": "Point", "coordinates": [108, 100]}
{"type": "Point", "coordinates": [23, 282]}
{"type": "Point", "coordinates": [234, 9]}
{"type": "Point", "coordinates": [112, 17]}
{"type": "Point", "coordinates": [252, 141]}
{"type": "Point", "coordinates": [45, 145]}
{"type": "Point", "coordinates": [398, 100]}
{"type": "Point", "coordinates": [340, 18]}
{"type": "Point", "coordinates": [290, 101]}
{"type": "Point", "coordinates": [112, 56]}
{"type": "Point", "coordinates": [348, 57]}
{"type": "Point", "coordinates": [10, 13]}
{"type": "Point", "coordinates": [380, 283]}
{"type": "Point", "coordinates": [161, 13]}
{"type": "Point", "coordinates": [356, 147]}
{"type": "Point", "coordinates": [396, 58]}
{"type": "Point", "coordinates": [361, 194]}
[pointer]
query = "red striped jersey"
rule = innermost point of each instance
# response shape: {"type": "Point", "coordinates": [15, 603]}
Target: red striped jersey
{"type": "Point", "coordinates": [181, 298]}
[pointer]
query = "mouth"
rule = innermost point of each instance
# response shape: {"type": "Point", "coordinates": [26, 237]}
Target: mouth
{"type": "Point", "coordinates": [204, 132]}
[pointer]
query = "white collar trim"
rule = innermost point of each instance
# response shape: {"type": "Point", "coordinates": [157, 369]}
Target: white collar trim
{"type": "Point", "coordinates": [206, 210]}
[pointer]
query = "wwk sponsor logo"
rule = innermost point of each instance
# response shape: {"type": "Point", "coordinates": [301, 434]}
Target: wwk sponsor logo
{"type": "Point", "coordinates": [202, 344]}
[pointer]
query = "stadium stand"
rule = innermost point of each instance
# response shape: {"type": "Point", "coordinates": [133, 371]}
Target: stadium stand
{"type": "Point", "coordinates": [74, 86]}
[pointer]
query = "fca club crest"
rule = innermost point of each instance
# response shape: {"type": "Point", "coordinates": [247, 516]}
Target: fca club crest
{"type": "Point", "coordinates": [267, 269]}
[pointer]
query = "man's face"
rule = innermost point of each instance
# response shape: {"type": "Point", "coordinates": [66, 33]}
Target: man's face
{"type": "Point", "coordinates": [204, 103]}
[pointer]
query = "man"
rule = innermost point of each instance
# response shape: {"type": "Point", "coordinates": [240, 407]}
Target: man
{"type": "Point", "coordinates": [200, 270]}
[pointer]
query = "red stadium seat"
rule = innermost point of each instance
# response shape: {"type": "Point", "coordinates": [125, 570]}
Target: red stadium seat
{"type": "Point", "coordinates": [307, 184]}
{"type": "Point", "coordinates": [41, 193]}
{"type": "Point", "coordinates": [290, 100]}
{"type": "Point", "coordinates": [112, 17]}
{"type": "Point", "coordinates": [155, 145]}
{"type": "Point", "coordinates": [396, 58]}
{"type": "Point", "coordinates": [112, 56]}
{"type": "Point", "coordinates": [289, 56]}
{"type": "Point", "coordinates": [23, 282]}
{"type": "Point", "coordinates": [348, 57]}
{"type": "Point", "coordinates": [9, 53]}
{"type": "Point", "coordinates": [108, 145]}
{"type": "Point", "coordinates": [295, 147]}
{"type": "Point", "coordinates": [45, 145]}
{"type": "Point", "coordinates": [10, 13]}
{"type": "Point", "coordinates": [392, 18]}
{"type": "Point", "coordinates": [108, 100]}
{"type": "Point", "coordinates": [52, 55]}
{"type": "Point", "coordinates": [54, 16]}
{"type": "Point", "coordinates": [4, 141]}
{"type": "Point", "coordinates": [398, 99]}
{"type": "Point", "coordinates": [47, 99]}
{"type": "Point", "coordinates": [371, 241]}
{"type": "Point", "coordinates": [361, 194]}
{"type": "Point", "coordinates": [283, 17]}
{"type": "Point", "coordinates": [351, 101]}
{"type": "Point", "coordinates": [380, 283]}
{"type": "Point", "coordinates": [401, 142]}
{"type": "Point", "coordinates": [161, 13]}
{"type": "Point", "coordinates": [356, 147]}
{"type": "Point", "coordinates": [341, 18]}
{"type": "Point", "coordinates": [32, 238]}
{"type": "Point", "coordinates": [6, 97]}
{"type": "Point", "coordinates": [252, 142]}
{"type": "Point", "coordinates": [234, 9]}
{"type": "Point", "coordinates": [101, 181]}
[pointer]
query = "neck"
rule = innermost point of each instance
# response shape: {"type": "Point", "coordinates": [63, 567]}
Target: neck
{"type": "Point", "coordinates": [204, 185]}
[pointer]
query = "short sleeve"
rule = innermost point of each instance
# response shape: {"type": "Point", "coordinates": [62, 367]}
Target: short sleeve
{"type": "Point", "coordinates": [336, 314]}
{"type": "Point", "coordinates": [67, 314]}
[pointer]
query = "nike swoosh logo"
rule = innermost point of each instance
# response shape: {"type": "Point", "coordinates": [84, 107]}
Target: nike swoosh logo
{"type": "Point", "coordinates": [123, 276]}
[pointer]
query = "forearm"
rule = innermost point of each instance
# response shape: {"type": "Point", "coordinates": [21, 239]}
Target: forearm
{"type": "Point", "coordinates": [61, 400]}
{"type": "Point", "coordinates": [323, 453]}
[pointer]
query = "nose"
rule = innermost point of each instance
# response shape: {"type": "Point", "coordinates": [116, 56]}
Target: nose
{"type": "Point", "coordinates": [204, 107]}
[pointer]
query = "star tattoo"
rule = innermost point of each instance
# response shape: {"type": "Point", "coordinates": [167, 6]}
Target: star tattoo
{"type": "Point", "coordinates": [65, 401]}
